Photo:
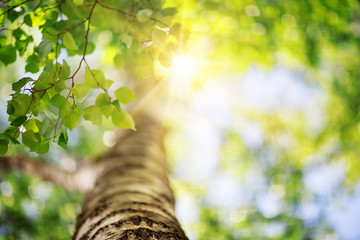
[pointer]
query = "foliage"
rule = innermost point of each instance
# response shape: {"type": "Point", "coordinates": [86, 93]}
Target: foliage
{"type": "Point", "coordinates": [56, 101]}
{"type": "Point", "coordinates": [318, 40]}
{"type": "Point", "coordinates": [38, 201]}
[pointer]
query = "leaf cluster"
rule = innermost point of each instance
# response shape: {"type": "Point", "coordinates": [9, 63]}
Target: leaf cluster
{"type": "Point", "coordinates": [44, 109]}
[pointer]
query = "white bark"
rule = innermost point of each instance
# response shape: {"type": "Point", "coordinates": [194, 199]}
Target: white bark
{"type": "Point", "coordinates": [131, 198]}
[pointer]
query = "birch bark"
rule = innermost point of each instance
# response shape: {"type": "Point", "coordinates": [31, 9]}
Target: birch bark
{"type": "Point", "coordinates": [131, 197]}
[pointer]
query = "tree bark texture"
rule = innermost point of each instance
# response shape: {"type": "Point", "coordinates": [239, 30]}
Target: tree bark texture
{"type": "Point", "coordinates": [130, 197]}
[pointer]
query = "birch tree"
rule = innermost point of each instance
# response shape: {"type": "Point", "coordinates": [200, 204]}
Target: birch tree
{"type": "Point", "coordinates": [95, 63]}
{"type": "Point", "coordinates": [127, 193]}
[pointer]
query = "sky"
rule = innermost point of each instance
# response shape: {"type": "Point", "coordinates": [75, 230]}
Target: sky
{"type": "Point", "coordinates": [213, 113]}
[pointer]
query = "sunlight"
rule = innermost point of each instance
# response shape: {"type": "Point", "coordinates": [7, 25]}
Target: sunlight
{"type": "Point", "coordinates": [183, 67]}
{"type": "Point", "coordinates": [182, 73]}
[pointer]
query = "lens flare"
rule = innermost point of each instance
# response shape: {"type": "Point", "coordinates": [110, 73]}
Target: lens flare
{"type": "Point", "coordinates": [183, 67]}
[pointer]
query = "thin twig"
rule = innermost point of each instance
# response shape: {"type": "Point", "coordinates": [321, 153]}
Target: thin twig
{"type": "Point", "coordinates": [86, 43]}
{"type": "Point", "coordinates": [80, 63]}
{"type": "Point", "coordinates": [56, 56]}
{"type": "Point", "coordinates": [157, 20]}
{"type": "Point", "coordinates": [38, 5]}
{"type": "Point", "coordinates": [17, 5]}
{"type": "Point", "coordinates": [91, 72]}
{"type": "Point", "coordinates": [31, 100]}
{"type": "Point", "coordinates": [125, 14]}
{"type": "Point", "coordinates": [133, 6]}
{"type": "Point", "coordinates": [56, 124]}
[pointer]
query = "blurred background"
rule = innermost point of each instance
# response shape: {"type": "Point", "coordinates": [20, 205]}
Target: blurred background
{"type": "Point", "coordinates": [263, 126]}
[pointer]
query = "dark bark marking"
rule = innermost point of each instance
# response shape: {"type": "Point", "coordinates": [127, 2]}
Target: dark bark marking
{"type": "Point", "coordinates": [131, 210]}
{"type": "Point", "coordinates": [132, 222]}
{"type": "Point", "coordinates": [144, 232]}
{"type": "Point", "coordinates": [136, 220]}
{"type": "Point", "coordinates": [105, 203]}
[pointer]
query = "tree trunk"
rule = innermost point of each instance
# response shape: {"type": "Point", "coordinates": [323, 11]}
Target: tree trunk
{"type": "Point", "coordinates": [131, 197]}
{"type": "Point", "coordinates": [127, 193]}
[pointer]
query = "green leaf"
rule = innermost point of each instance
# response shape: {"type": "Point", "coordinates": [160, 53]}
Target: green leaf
{"type": "Point", "coordinates": [143, 15]}
{"type": "Point", "coordinates": [51, 114]}
{"type": "Point", "coordinates": [33, 124]}
{"type": "Point", "coordinates": [94, 78]}
{"type": "Point", "coordinates": [116, 104]}
{"type": "Point", "coordinates": [107, 110]}
{"type": "Point", "coordinates": [125, 95]}
{"type": "Point", "coordinates": [18, 33]}
{"type": "Point", "coordinates": [19, 84]}
{"type": "Point", "coordinates": [13, 131]}
{"type": "Point", "coordinates": [31, 67]}
{"type": "Point", "coordinates": [4, 142]}
{"type": "Point", "coordinates": [102, 100]}
{"type": "Point", "coordinates": [35, 142]}
{"type": "Point", "coordinates": [127, 39]}
{"type": "Point", "coordinates": [21, 45]}
{"type": "Point", "coordinates": [81, 90]}
{"type": "Point", "coordinates": [41, 101]}
{"type": "Point", "coordinates": [44, 81]}
{"type": "Point", "coordinates": [168, 11]}
{"type": "Point", "coordinates": [78, 2]}
{"type": "Point", "coordinates": [43, 147]}
{"type": "Point", "coordinates": [58, 100]}
{"type": "Point", "coordinates": [10, 107]}
{"type": "Point", "coordinates": [33, 58]}
{"type": "Point", "coordinates": [182, 34]}
{"type": "Point", "coordinates": [59, 86]}
{"type": "Point", "coordinates": [3, 147]}
{"type": "Point", "coordinates": [30, 139]}
{"type": "Point", "coordinates": [11, 138]}
{"type": "Point", "coordinates": [18, 121]}
{"type": "Point", "coordinates": [90, 48]}
{"type": "Point", "coordinates": [64, 71]}
{"type": "Point", "coordinates": [27, 20]}
{"type": "Point", "coordinates": [158, 37]}
{"type": "Point", "coordinates": [107, 83]}
{"type": "Point", "coordinates": [51, 14]}
{"type": "Point", "coordinates": [18, 105]}
{"type": "Point", "coordinates": [119, 60]}
{"type": "Point", "coordinates": [64, 109]}
{"type": "Point", "coordinates": [166, 59]}
{"type": "Point", "coordinates": [47, 129]}
{"type": "Point", "coordinates": [69, 41]}
{"type": "Point", "coordinates": [15, 14]}
{"type": "Point", "coordinates": [99, 18]}
{"type": "Point", "coordinates": [63, 139]}
{"type": "Point", "coordinates": [49, 65]}
{"type": "Point", "coordinates": [44, 48]}
{"type": "Point", "coordinates": [176, 30]}
{"type": "Point", "coordinates": [7, 54]}
{"type": "Point", "coordinates": [93, 114]}
{"type": "Point", "coordinates": [70, 115]}
{"type": "Point", "coordinates": [122, 119]}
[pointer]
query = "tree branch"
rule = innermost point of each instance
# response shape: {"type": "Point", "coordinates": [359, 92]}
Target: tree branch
{"type": "Point", "coordinates": [13, 7]}
{"type": "Point", "coordinates": [81, 179]}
